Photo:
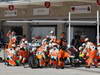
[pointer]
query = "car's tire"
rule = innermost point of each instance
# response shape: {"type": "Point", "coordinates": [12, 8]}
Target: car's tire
{"type": "Point", "coordinates": [33, 62]}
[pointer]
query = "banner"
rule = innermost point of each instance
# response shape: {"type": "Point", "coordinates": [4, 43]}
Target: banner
{"type": "Point", "coordinates": [40, 11]}
{"type": "Point", "coordinates": [9, 13]}
{"type": "Point", "coordinates": [81, 9]}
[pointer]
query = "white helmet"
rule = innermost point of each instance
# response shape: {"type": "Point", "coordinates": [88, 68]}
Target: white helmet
{"type": "Point", "coordinates": [51, 32]}
{"type": "Point", "coordinates": [26, 42]}
{"type": "Point", "coordinates": [86, 39]}
{"type": "Point", "coordinates": [13, 45]}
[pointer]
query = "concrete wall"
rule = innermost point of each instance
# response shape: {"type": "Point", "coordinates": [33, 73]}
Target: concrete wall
{"type": "Point", "coordinates": [55, 11]}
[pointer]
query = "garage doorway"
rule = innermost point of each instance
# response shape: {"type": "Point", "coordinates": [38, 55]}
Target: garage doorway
{"type": "Point", "coordinates": [17, 29]}
{"type": "Point", "coordinates": [42, 30]}
{"type": "Point", "coordinates": [85, 31]}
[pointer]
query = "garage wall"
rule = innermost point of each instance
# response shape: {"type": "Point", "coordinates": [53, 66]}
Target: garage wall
{"type": "Point", "coordinates": [55, 11]}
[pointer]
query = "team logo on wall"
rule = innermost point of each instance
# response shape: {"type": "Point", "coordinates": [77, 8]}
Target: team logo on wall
{"type": "Point", "coordinates": [98, 2]}
{"type": "Point", "coordinates": [47, 4]}
{"type": "Point", "coordinates": [11, 7]}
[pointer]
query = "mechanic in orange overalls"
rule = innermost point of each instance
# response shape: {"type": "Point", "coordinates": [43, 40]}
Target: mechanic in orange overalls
{"type": "Point", "coordinates": [91, 53]}
{"type": "Point", "coordinates": [63, 54]}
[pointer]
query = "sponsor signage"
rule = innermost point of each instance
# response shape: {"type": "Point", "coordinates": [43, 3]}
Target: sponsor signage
{"type": "Point", "coordinates": [9, 13]}
{"type": "Point", "coordinates": [81, 9]}
{"type": "Point", "coordinates": [41, 11]}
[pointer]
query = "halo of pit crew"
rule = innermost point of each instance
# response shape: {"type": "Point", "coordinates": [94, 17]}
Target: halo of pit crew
{"type": "Point", "coordinates": [50, 52]}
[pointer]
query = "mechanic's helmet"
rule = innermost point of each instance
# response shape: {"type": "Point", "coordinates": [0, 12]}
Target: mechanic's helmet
{"type": "Point", "coordinates": [13, 45]}
{"type": "Point", "coordinates": [13, 33]}
{"type": "Point", "coordinates": [26, 42]}
{"type": "Point", "coordinates": [86, 39]}
{"type": "Point", "coordinates": [33, 38]}
{"type": "Point", "coordinates": [47, 36]}
{"type": "Point", "coordinates": [83, 44]}
{"type": "Point", "coordinates": [51, 32]}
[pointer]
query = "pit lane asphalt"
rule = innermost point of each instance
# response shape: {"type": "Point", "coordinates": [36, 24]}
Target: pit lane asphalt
{"type": "Point", "coordinates": [20, 70]}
